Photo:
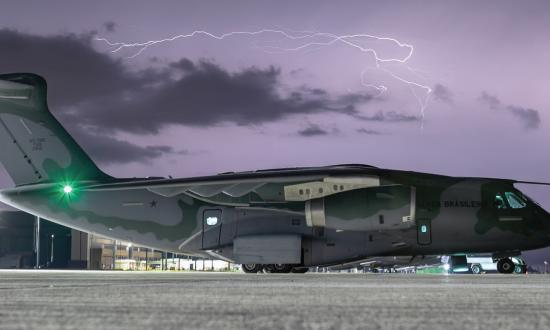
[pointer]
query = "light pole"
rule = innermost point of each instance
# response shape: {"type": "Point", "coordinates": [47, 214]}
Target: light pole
{"type": "Point", "coordinates": [51, 251]}
{"type": "Point", "coordinates": [114, 255]}
{"type": "Point", "coordinates": [37, 242]}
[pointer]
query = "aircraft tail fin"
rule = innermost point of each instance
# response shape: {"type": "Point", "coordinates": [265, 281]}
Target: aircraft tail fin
{"type": "Point", "coordinates": [34, 147]}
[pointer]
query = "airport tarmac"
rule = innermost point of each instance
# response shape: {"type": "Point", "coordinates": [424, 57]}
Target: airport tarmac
{"type": "Point", "coordinates": [170, 300]}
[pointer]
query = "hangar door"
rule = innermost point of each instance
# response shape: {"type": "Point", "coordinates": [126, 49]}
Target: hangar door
{"type": "Point", "coordinates": [211, 228]}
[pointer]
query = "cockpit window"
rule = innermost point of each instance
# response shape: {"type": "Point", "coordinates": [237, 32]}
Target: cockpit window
{"type": "Point", "coordinates": [499, 202]}
{"type": "Point", "coordinates": [514, 200]}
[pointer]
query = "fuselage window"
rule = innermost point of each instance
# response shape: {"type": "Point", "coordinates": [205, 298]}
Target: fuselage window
{"type": "Point", "coordinates": [514, 200]}
{"type": "Point", "coordinates": [499, 202]}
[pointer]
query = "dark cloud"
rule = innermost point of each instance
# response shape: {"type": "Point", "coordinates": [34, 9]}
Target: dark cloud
{"type": "Point", "coordinates": [91, 92]}
{"type": "Point", "coordinates": [389, 116]}
{"type": "Point", "coordinates": [96, 95]}
{"type": "Point", "coordinates": [96, 90]}
{"type": "Point", "coordinates": [368, 131]}
{"type": "Point", "coordinates": [204, 94]}
{"type": "Point", "coordinates": [109, 150]}
{"type": "Point", "coordinates": [442, 93]}
{"type": "Point", "coordinates": [313, 130]}
{"type": "Point", "coordinates": [347, 101]}
{"type": "Point", "coordinates": [110, 26]}
{"type": "Point", "coordinates": [77, 75]}
{"type": "Point", "coordinates": [296, 72]}
{"type": "Point", "coordinates": [529, 117]}
{"type": "Point", "coordinates": [492, 101]}
{"type": "Point", "coordinates": [75, 72]}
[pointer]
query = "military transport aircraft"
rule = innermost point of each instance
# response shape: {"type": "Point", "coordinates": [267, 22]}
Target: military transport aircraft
{"type": "Point", "coordinates": [284, 219]}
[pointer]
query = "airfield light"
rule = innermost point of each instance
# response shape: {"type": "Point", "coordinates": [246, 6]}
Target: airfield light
{"type": "Point", "coordinates": [67, 189]}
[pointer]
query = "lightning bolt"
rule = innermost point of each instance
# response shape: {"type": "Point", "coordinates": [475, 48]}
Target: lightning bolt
{"type": "Point", "coordinates": [312, 40]}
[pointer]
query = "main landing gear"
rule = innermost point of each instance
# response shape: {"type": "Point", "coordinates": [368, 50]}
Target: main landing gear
{"type": "Point", "coordinates": [251, 268]}
{"type": "Point", "coordinates": [507, 266]}
{"type": "Point", "coordinates": [273, 268]}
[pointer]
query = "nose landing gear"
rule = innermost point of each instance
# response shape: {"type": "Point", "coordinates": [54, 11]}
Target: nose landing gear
{"type": "Point", "coordinates": [506, 266]}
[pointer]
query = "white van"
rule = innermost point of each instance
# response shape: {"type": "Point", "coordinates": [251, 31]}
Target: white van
{"type": "Point", "coordinates": [483, 263]}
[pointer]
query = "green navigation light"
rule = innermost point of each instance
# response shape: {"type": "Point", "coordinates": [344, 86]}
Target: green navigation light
{"type": "Point", "coordinates": [67, 189]}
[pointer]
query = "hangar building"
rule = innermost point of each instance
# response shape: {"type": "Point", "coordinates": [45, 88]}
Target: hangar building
{"type": "Point", "coordinates": [29, 242]}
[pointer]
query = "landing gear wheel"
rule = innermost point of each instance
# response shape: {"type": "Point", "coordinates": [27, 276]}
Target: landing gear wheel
{"type": "Point", "coordinates": [281, 268]}
{"type": "Point", "coordinates": [506, 266]}
{"type": "Point", "coordinates": [476, 269]}
{"type": "Point", "coordinates": [520, 269]}
{"type": "Point", "coordinates": [251, 268]}
{"type": "Point", "coordinates": [299, 270]}
{"type": "Point", "coordinates": [269, 268]}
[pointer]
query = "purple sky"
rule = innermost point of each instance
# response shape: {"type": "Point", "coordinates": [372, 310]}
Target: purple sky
{"type": "Point", "coordinates": [199, 106]}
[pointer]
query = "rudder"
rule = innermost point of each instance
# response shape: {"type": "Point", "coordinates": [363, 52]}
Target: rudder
{"type": "Point", "coordinates": [35, 148]}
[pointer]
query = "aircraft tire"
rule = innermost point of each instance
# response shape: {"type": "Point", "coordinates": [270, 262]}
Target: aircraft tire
{"type": "Point", "coordinates": [281, 268]}
{"type": "Point", "coordinates": [520, 269]}
{"type": "Point", "coordinates": [251, 268]}
{"type": "Point", "coordinates": [506, 266]}
{"type": "Point", "coordinates": [299, 270]}
{"type": "Point", "coordinates": [269, 268]}
{"type": "Point", "coordinates": [476, 269]}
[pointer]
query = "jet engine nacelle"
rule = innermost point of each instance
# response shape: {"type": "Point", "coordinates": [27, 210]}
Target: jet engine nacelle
{"type": "Point", "coordinates": [376, 208]}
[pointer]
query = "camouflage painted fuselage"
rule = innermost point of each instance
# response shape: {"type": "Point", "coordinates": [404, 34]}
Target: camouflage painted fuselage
{"type": "Point", "coordinates": [345, 212]}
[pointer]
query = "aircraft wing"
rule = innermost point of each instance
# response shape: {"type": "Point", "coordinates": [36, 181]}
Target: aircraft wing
{"type": "Point", "coordinates": [278, 185]}
{"type": "Point", "coordinates": [235, 188]}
